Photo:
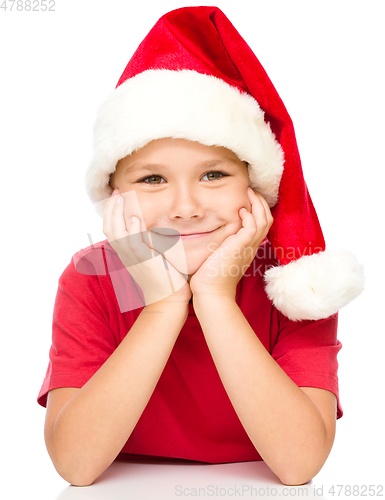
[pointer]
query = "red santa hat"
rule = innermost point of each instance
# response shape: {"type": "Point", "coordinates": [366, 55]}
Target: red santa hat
{"type": "Point", "coordinates": [194, 77]}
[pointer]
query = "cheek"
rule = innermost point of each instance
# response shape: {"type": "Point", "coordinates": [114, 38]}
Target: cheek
{"type": "Point", "coordinates": [246, 202]}
{"type": "Point", "coordinates": [146, 207]}
{"type": "Point", "coordinates": [235, 202]}
{"type": "Point", "coordinates": [135, 204]}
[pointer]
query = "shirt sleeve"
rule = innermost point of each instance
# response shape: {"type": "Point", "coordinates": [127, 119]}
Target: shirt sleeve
{"type": "Point", "coordinates": [82, 339]}
{"type": "Point", "coordinates": [307, 352]}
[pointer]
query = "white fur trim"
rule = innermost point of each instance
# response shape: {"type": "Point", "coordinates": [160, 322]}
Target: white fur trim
{"type": "Point", "coordinates": [188, 105]}
{"type": "Point", "coordinates": [316, 286]}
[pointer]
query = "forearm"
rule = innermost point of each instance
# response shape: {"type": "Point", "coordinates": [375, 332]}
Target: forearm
{"type": "Point", "coordinates": [94, 425]}
{"type": "Point", "coordinates": [282, 422]}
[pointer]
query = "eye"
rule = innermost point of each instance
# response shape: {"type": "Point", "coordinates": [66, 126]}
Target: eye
{"type": "Point", "coordinates": [150, 178]}
{"type": "Point", "coordinates": [156, 179]}
{"type": "Point", "coordinates": [214, 175]}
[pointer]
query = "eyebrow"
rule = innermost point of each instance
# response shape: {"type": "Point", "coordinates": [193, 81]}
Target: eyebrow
{"type": "Point", "coordinates": [139, 167]}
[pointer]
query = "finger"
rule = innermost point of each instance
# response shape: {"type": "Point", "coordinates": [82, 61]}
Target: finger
{"type": "Point", "coordinates": [117, 222]}
{"type": "Point", "coordinates": [269, 216]}
{"type": "Point", "coordinates": [254, 195]}
{"type": "Point", "coordinates": [258, 209]}
{"type": "Point", "coordinates": [258, 201]}
{"type": "Point", "coordinates": [260, 212]}
{"type": "Point", "coordinates": [134, 232]}
{"type": "Point", "coordinates": [249, 227]}
{"type": "Point", "coordinates": [108, 208]}
{"type": "Point", "coordinates": [249, 240]}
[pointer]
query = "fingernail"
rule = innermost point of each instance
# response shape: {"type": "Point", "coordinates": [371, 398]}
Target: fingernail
{"type": "Point", "coordinates": [118, 200]}
{"type": "Point", "coordinates": [244, 209]}
{"type": "Point", "coordinates": [133, 219]}
{"type": "Point", "coordinates": [115, 191]}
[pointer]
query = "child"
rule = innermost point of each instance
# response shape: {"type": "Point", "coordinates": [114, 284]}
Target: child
{"type": "Point", "coordinates": [218, 345]}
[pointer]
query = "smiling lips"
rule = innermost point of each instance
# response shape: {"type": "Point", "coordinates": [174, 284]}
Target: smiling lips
{"type": "Point", "coordinates": [189, 236]}
{"type": "Point", "coordinates": [194, 235]}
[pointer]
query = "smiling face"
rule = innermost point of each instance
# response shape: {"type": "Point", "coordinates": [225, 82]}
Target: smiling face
{"type": "Point", "coordinates": [190, 188]}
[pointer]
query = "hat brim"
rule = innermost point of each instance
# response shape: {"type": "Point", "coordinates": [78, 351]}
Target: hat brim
{"type": "Point", "coordinates": [188, 105]}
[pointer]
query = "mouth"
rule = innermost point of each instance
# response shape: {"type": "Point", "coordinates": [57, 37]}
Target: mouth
{"type": "Point", "coordinates": [194, 235]}
{"type": "Point", "coordinates": [171, 233]}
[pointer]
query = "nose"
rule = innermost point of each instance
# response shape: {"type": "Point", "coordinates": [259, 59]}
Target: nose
{"type": "Point", "coordinates": [186, 204]}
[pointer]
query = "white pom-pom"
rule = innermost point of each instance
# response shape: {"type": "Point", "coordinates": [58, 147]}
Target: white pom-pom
{"type": "Point", "coordinates": [316, 286]}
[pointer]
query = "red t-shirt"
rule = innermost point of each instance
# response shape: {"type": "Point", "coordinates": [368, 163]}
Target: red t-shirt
{"type": "Point", "coordinates": [189, 414]}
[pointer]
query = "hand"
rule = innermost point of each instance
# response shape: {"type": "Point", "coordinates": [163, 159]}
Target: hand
{"type": "Point", "coordinates": [157, 280]}
{"type": "Point", "coordinates": [222, 270]}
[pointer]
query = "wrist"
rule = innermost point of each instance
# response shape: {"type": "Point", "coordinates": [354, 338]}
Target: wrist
{"type": "Point", "coordinates": [210, 300]}
{"type": "Point", "coordinates": [176, 307]}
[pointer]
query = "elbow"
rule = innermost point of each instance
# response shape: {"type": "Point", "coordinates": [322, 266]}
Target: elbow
{"type": "Point", "coordinates": [74, 476]}
{"type": "Point", "coordinates": [300, 475]}
{"type": "Point", "coordinates": [297, 472]}
{"type": "Point", "coordinates": [73, 470]}
{"type": "Point", "coordinates": [80, 481]}
{"type": "Point", "coordinates": [305, 465]}
{"type": "Point", "coordinates": [295, 479]}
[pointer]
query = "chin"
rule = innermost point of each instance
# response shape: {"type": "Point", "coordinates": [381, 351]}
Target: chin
{"type": "Point", "coordinates": [190, 269]}
{"type": "Point", "coordinates": [189, 265]}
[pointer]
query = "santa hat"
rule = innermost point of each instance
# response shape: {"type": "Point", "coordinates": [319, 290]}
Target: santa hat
{"type": "Point", "coordinates": [194, 77]}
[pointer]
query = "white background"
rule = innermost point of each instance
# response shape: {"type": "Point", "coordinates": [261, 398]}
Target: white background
{"type": "Point", "coordinates": [326, 61]}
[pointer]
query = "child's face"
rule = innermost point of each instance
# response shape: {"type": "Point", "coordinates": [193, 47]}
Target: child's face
{"type": "Point", "coordinates": [178, 186]}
